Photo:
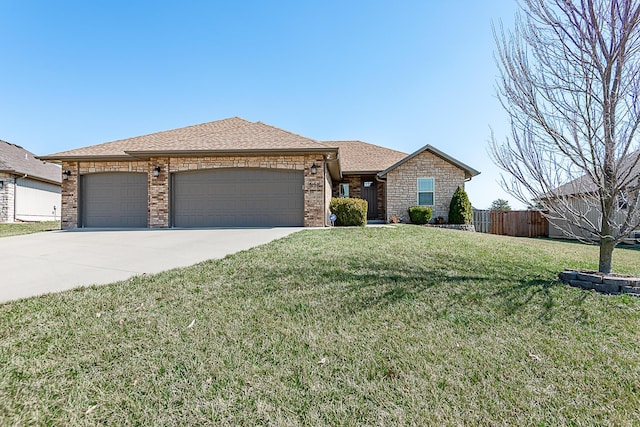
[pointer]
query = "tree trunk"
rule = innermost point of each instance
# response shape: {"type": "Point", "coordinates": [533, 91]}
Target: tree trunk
{"type": "Point", "coordinates": [607, 244]}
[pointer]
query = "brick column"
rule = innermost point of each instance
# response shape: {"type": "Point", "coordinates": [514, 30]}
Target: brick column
{"type": "Point", "coordinates": [69, 207]}
{"type": "Point", "coordinates": [314, 197]}
{"type": "Point", "coordinates": [158, 193]}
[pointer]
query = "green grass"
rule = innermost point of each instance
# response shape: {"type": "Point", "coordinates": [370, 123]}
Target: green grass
{"type": "Point", "coordinates": [375, 326]}
{"type": "Point", "coordinates": [18, 228]}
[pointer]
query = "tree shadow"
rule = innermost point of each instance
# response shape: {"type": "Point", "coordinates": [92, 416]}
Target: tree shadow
{"type": "Point", "coordinates": [379, 284]}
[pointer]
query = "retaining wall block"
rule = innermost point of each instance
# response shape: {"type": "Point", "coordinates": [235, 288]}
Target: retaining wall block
{"type": "Point", "coordinates": [595, 278]}
{"type": "Point", "coordinates": [582, 284]}
{"type": "Point", "coordinates": [608, 288]}
{"type": "Point", "coordinates": [567, 276]}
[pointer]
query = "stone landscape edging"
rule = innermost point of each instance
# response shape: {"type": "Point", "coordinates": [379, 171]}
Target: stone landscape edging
{"type": "Point", "coordinates": [463, 227]}
{"type": "Point", "coordinates": [603, 283]}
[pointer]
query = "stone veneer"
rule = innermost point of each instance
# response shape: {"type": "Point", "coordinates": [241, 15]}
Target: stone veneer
{"type": "Point", "coordinates": [7, 198]}
{"type": "Point", "coordinates": [315, 190]}
{"type": "Point", "coordinates": [402, 185]}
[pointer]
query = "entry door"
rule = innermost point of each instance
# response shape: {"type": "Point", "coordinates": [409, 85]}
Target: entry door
{"type": "Point", "coordinates": [369, 193]}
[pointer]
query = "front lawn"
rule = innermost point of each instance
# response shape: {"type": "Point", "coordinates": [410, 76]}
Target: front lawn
{"type": "Point", "coordinates": [18, 228]}
{"type": "Point", "coordinates": [377, 326]}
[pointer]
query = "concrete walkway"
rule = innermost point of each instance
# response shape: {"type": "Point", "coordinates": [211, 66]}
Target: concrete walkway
{"type": "Point", "coordinates": [40, 263]}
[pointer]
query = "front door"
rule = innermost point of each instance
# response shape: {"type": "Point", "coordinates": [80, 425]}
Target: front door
{"type": "Point", "coordinates": [370, 194]}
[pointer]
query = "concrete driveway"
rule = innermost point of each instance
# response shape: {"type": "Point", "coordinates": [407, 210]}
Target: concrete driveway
{"type": "Point", "coordinates": [40, 263]}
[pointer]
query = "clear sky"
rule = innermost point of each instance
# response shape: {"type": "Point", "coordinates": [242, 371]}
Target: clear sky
{"type": "Point", "coordinates": [399, 74]}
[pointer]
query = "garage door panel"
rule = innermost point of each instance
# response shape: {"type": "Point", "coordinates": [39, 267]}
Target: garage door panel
{"type": "Point", "coordinates": [238, 198]}
{"type": "Point", "coordinates": [117, 199]}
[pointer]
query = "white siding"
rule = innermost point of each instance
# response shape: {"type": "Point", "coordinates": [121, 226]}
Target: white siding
{"type": "Point", "coordinates": [36, 200]}
{"type": "Point", "coordinates": [592, 214]}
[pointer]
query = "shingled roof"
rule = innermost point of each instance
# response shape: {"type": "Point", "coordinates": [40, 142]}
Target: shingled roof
{"type": "Point", "coordinates": [357, 157]}
{"type": "Point", "coordinates": [629, 170]}
{"type": "Point", "coordinates": [218, 137]}
{"type": "Point", "coordinates": [239, 136]}
{"type": "Point", "coordinates": [16, 160]}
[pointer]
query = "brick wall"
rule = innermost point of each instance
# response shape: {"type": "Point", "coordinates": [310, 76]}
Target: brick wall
{"type": "Point", "coordinates": [402, 184]}
{"type": "Point", "coordinates": [7, 198]}
{"type": "Point", "coordinates": [315, 206]}
{"type": "Point", "coordinates": [315, 209]}
{"type": "Point", "coordinates": [158, 192]}
{"type": "Point", "coordinates": [69, 208]}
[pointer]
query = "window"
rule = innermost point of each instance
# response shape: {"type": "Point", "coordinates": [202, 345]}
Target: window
{"type": "Point", "coordinates": [344, 190]}
{"type": "Point", "coordinates": [623, 201]}
{"type": "Point", "coordinates": [425, 191]}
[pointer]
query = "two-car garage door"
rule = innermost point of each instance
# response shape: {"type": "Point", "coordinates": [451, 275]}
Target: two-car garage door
{"type": "Point", "coordinates": [241, 197]}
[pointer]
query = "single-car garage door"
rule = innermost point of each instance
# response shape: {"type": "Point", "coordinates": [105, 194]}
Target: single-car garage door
{"type": "Point", "coordinates": [241, 197]}
{"type": "Point", "coordinates": [115, 199]}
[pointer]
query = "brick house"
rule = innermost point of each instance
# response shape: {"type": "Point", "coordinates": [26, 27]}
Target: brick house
{"type": "Point", "coordinates": [29, 188]}
{"type": "Point", "coordinates": [236, 173]}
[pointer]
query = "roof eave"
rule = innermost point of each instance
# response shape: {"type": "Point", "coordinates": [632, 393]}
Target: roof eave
{"type": "Point", "coordinates": [370, 172]}
{"type": "Point", "coordinates": [146, 154]}
{"type": "Point", "coordinates": [247, 152]}
{"type": "Point", "coordinates": [333, 166]}
{"type": "Point", "coordinates": [28, 175]}
{"type": "Point", "coordinates": [59, 159]}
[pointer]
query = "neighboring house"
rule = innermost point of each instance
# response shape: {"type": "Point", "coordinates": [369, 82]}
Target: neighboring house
{"type": "Point", "coordinates": [236, 173]}
{"type": "Point", "coordinates": [29, 188]}
{"type": "Point", "coordinates": [575, 206]}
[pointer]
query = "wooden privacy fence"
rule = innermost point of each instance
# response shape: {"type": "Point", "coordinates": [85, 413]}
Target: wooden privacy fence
{"type": "Point", "coordinates": [519, 223]}
{"type": "Point", "coordinates": [482, 220]}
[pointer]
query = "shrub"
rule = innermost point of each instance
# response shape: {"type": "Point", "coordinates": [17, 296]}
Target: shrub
{"type": "Point", "coordinates": [460, 211]}
{"type": "Point", "coordinates": [349, 211]}
{"type": "Point", "coordinates": [420, 214]}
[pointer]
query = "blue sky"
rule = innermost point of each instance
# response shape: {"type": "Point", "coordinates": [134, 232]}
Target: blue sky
{"type": "Point", "coordinates": [398, 74]}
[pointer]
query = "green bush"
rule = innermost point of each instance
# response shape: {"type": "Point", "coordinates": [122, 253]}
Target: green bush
{"type": "Point", "coordinates": [349, 211]}
{"type": "Point", "coordinates": [460, 211]}
{"type": "Point", "coordinates": [420, 214]}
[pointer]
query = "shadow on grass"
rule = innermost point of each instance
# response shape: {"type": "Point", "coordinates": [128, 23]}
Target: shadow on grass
{"type": "Point", "coordinates": [378, 286]}
{"type": "Point", "coordinates": [536, 294]}
{"type": "Point", "coordinates": [624, 246]}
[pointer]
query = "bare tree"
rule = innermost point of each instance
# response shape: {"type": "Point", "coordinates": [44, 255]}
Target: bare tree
{"type": "Point", "coordinates": [570, 82]}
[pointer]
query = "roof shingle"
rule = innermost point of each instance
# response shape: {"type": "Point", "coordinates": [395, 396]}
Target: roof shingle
{"type": "Point", "coordinates": [228, 135]}
{"type": "Point", "coordinates": [358, 156]}
{"type": "Point", "coordinates": [17, 160]}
